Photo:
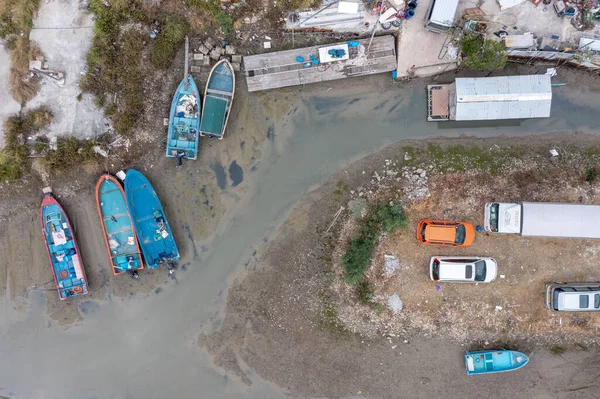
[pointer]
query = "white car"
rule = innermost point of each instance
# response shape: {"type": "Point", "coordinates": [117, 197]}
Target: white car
{"type": "Point", "coordinates": [573, 297]}
{"type": "Point", "coordinates": [463, 269]}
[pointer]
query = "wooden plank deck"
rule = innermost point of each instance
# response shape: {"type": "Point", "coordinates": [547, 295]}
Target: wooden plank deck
{"type": "Point", "coordinates": [280, 68]}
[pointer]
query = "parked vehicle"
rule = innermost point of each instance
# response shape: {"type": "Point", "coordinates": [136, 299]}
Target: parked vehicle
{"type": "Point", "coordinates": [440, 15]}
{"type": "Point", "coordinates": [461, 269]}
{"type": "Point", "coordinates": [486, 362]}
{"type": "Point", "coordinates": [445, 233]}
{"type": "Point", "coordinates": [573, 297]}
{"type": "Point", "coordinates": [543, 219]}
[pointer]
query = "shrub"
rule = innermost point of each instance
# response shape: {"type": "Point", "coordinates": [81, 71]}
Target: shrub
{"type": "Point", "coordinates": [364, 292]}
{"type": "Point", "coordinates": [166, 43]}
{"type": "Point", "coordinates": [482, 54]}
{"type": "Point", "coordinates": [69, 152]}
{"type": "Point", "coordinates": [591, 174]}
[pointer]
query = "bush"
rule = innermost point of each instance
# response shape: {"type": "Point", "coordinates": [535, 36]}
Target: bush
{"type": "Point", "coordinates": [166, 43]}
{"type": "Point", "coordinates": [385, 217]}
{"type": "Point", "coordinates": [482, 54]}
{"type": "Point", "coordinates": [70, 152]}
{"type": "Point", "coordinates": [225, 21]}
{"type": "Point", "coordinates": [364, 292]}
{"type": "Point", "coordinates": [591, 174]}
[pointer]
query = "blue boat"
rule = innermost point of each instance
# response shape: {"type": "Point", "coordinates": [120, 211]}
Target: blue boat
{"type": "Point", "coordinates": [119, 234]}
{"type": "Point", "coordinates": [218, 96]}
{"type": "Point", "coordinates": [63, 253]}
{"type": "Point", "coordinates": [485, 362]}
{"type": "Point", "coordinates": [184, 120]}
{"type": "Point", "coordinates": [151, 225]}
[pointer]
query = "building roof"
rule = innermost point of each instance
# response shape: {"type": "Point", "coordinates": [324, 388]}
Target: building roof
{"type": "Point", "coordinates": [503, 97]}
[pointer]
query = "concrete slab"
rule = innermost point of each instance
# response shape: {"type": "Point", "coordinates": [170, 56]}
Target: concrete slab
{"type": "Point", "coordinates": [64, 33]}
{"type": "Point", "coordinates": [9, 105]}
{"type": "Point", "coordinates": [236, 58]}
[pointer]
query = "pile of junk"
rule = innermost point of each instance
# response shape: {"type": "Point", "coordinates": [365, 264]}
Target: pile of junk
{"type": "Point", "coordinates": [393, 14]}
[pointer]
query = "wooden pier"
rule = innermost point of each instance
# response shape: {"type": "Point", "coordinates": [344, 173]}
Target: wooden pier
{"type": "Point", "coordinates": [280, 68]}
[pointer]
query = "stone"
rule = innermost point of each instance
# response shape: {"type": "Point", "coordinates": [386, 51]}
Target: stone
{"type": "Point", "coordinates": [215, 55]}
{"type": "Point", "coordinates": [229, 49]}
{"type": "Point", "coordinates": [210, 43]}
{"type": "Point", "coordinates": [236, 67]}
{"type": "Point", "coordinates": [199, 57]}
{"type": "Point", "coordinates": [196, 69]}
{"type": "Point", "coordinates": [206, 61]}
{"type": "Point", "coordinates": [203, 49]}
{"type": "Point", "coordinates": [236, 58]}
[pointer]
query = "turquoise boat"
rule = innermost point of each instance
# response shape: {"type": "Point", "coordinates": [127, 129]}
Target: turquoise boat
{"type": "Point", "coordinates": [119, 234]}
{"type": "Point", "coordinates": [486, 362]}
{"type": "Point", "coordinates": [151, 225]}
{"type": "Point", "coordinates": [218, 97]}
{"type": "Point", "coordinates": [184, 120]}
{"type": "Point", "coordinates": [63, 252]}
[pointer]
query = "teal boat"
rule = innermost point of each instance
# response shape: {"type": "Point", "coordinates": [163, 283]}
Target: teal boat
{"type": "Point", "coordinates": [218, 97]}
{"type": "Point", "coordinates": [184, 120]}
{"type": "Point", "coordinates": [151, 224]}
{"type": "Point", "coordinates": [117, 226]}
{"type": "Point", "coordinates": [486, 362]}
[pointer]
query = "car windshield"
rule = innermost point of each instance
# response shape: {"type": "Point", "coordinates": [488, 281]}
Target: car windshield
{"type": "Point", "coordinates": [597, 301]}
{"type": "Point", "coordinates": [494, 210]}
{"type": "Point", "coordinates": [468, 272]}
{"type": "Point", "coordinates": [460, 234]}
{"type": "Point", "coordinates": [584, 301]}
{"type": "Point", "coordinates": [435, 270]}
{"type": "Point", "coordinates": [480, 270]}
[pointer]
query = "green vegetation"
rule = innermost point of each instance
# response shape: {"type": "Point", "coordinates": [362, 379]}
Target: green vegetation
{"type": "Point", "coordinates": [591, 174]}
{"type": "Point", "coordinates": [168, 41]}
{"type": "Point", "coordinates": [70, 152]}
{"type": "Point", "coordinates": [482, 54]}
{"type": "Point", "coordinates": [364, 293]}
{"type": "Point", "coordinates": [385, 217]}
{"type": "Point", "coordinates": [214, 14]}
{"type": "Point", "coordinates": [14, 158]}
{"type": "Point", "coordinates": [557, 350]}
{"type": "Point", "coordinates": [329, 320]}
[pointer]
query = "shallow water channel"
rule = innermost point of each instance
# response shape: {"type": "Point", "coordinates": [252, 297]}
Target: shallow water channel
{"type": "Point", "coordinates": [145, 347]}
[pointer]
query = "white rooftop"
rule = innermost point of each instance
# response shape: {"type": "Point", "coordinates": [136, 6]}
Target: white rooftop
{"type": "Point", "coordinates": [503, 97]}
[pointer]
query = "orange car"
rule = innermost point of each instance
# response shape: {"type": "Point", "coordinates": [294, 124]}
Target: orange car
{"type": "Point", "coordinates": [445, 233]}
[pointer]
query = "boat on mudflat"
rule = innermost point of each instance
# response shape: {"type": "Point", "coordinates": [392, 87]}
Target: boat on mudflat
{"type": "Point", "coordinates": [184, 120]}
{"type": "Point", "coordinates": [218, 97]}
{"type": "Point", "coordinates": [151, 225]}
{"type": "Point", "coordinates": [63, 253]}
{"type": "Point", "coordinates": [486, 362]}
{"type": "Point", "coordinates": [119, 234]}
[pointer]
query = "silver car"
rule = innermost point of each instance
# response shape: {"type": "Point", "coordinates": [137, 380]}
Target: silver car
{"type": "Point", "coordinates": [573, 297]}
{"type": "Point", "coordinates": [463, 269]}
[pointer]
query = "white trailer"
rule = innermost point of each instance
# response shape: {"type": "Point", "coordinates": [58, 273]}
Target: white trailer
{"type": "Point", "coordinates": [543, 219]}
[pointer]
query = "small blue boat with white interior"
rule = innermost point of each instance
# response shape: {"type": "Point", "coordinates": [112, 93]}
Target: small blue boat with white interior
{"type": "Point", "coordinates": [117, 226]}
{"type": "Point", "coordinates": [218, 97]}
{"type": "Point", "coordinates": [486, 362]}
{"type": "Point", "coordinates": [184, 120]}
{"type": "Point", "coordinates": [63, 252]}
{"type": "Point", "coordinates": [151, 225]}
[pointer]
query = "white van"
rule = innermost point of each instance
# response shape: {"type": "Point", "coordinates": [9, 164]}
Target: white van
{"type": "Point", "coordinates": [573, 297]}
{"type": "Point", "coordinates": [440, 15]}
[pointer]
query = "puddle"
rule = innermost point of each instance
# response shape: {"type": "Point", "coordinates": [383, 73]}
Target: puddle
{"type": "Point", "coordinates": [236, 174]}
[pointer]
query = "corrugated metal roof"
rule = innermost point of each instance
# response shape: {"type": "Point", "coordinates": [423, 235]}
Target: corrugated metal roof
{"type": "Point", "coordinates": [588, 43]}
{"type": "Point", "coordinates": [504, 97]}
{"type": "Point", "coordinates": [444, 12]}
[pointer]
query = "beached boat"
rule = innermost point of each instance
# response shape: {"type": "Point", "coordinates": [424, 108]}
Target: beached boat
{"type": "Point", "coordinates": [184, 120]}
{"type": "Point", "coordinates": [218, 97]}
{"type": "Point", "coordinates": [484, 362]}
{"type": "Point", "coordinates": [151, 225]}
{"type": "Point", "coordinates": [119, 234]}
{"type": "Point", "coordinates": [63, 253]}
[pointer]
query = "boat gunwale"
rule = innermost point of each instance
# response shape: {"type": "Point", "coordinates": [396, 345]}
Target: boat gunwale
{"type": "Point", "coordinates": [170, 128]}
{"type": "Point", "coordinates": [103, 177]}
{"type": "Point", "coordinates": [230, 99]}
{"type": "Point", "coordinates": [47, 200]}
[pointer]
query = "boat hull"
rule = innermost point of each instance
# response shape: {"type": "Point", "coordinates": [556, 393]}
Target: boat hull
{"type": "Point", "coordinates": [487, 362]}
{"type": "Point", "coordinates": [218, 97]}
{"type": "Point", "coordinates": [151, 224]}
{"type": "Point", "coordinates": [119, 234]}
{"type": "Point", "coordinates": [62, 249]}
{"type": "Point", "coordinates": [184, 120]}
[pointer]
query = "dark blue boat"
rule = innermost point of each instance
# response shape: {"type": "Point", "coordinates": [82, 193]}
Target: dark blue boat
{"type": "Point", "coordinates": [184, 120]}
{"type": "Point", "coordinates": [151, 225]}
{"type": "Point", "coordinates": [63, 252]}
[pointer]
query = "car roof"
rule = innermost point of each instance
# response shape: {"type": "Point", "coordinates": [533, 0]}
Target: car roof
{"type": "Point", "coordinates": [440, 233]}
{"type": "Point", "coordinates": [570, 300]}
{"type": "Point", "coordinates": [453, 271]}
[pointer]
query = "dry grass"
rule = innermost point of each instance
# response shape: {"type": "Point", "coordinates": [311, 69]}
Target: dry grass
{"type": "Point", "coordinates": [22, 88]}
